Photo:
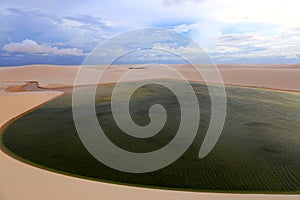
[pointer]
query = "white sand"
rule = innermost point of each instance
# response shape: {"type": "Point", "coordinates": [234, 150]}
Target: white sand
{"type": "Point", "coordinates": [22, 181]}
{"type": "Point", "coordinates": [282, 77]}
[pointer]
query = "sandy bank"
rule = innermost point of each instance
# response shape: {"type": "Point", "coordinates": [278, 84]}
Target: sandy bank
{"type": "Point", "coordinates": [21, 181]}
{"type": "Point", "coordinates": [282, 77]}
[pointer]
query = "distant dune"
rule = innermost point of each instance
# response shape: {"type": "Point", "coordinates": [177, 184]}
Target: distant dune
{"type": "Point", "coordinates": [280, 77]}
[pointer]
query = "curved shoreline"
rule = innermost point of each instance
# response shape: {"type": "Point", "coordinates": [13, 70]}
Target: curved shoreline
{"type": "Point", "coordinates": [19, 158]}
{"type": "Point", "coordinates": [8, 152]}
{"type": "Point", "coordinates": [22, 181]}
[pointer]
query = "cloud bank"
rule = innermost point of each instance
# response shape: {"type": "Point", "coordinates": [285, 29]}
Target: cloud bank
{"type": "Point", "coordinates": [30, 46]}
{"type": "Point", "coordinates": [231, 31]}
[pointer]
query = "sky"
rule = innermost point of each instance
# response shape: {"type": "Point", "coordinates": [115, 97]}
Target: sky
{"type": "Point", "coordinates": [230, 31]}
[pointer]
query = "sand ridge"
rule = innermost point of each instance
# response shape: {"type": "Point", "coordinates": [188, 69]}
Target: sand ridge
{"type": "Point", "coordinates": [282, 77]}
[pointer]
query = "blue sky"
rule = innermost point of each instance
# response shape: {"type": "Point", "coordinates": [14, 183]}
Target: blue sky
{"type": "Point", "coordinates": [230, 31]}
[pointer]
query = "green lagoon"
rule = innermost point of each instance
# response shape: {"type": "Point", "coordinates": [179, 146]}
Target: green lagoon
{"type": "Point", "coordinates": [258, 151]}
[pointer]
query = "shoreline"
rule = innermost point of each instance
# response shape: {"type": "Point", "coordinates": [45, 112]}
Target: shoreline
{"type": "Point", "coordinates": [83, 188]}
{"type": "Point", "coordinates": [52, 77]}
{"type": "Point", "coordinates": [7, 151]}
{"type": "Point", "coordinates": [22, 88]}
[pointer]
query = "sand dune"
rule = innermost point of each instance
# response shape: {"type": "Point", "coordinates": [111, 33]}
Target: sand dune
{"type": "Point", "coordinates": [21, 181]}
{"type": "Point", "coordinates": [282, 77]}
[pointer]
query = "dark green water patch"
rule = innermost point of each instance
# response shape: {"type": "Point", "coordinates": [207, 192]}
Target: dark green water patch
{"type": "Point", "coordinates": [258, 151]}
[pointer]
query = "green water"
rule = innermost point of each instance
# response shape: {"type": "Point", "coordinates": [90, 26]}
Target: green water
{"type": "Point", "coordinates": [258, 151]}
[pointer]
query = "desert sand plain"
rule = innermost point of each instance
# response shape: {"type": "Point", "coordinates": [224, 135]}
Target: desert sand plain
{"type": "Point", "coordinates": [17, 96]}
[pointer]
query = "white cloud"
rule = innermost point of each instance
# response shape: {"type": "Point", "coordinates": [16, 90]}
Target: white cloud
{"type": "Point", "coordinates": [30, 46]}
{"type": "Point", "coordinates": [232, 29]}
{"type": "Point", "coordinates": [227, 49]}
{"type": "Point", "coordinates": [189, 49]}
{"type": "Point", "coordinates": [165, 52]}
{"type": "Point", "coordinates": [281, 12]}
{"type": "Point", "coordinates": [281, 44]}
{"type": "Point", "coordinates": [172, 2]}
